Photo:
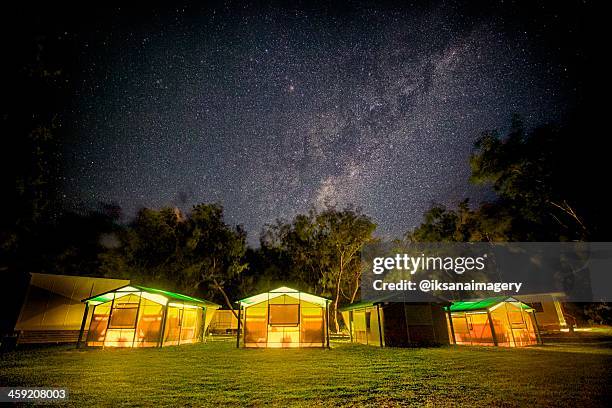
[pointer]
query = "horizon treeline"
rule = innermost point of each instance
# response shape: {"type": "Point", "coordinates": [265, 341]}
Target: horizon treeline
{"type": "Point", "coordinates": [541, 195]}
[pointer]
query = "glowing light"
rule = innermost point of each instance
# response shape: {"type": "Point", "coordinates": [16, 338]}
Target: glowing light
{"type": "Point", "coordinates": [181, 305]}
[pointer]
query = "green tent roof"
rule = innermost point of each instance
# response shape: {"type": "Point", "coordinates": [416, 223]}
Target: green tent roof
{"type": "Point", "coordinates": [169, 296]}
{"type": "Point", "coordinates": [483, 304]}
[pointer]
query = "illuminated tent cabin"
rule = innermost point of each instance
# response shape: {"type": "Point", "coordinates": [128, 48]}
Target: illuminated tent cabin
{"type": "Point", "coordinates": [283, 317]}
{"type": "Point", "coordinates": [146, 317]}
{"type": "Point", "coordinates": [223, 322]}
{"type": "Point", "coordinates": [52, 311]}
{"type": "Point", "coordinates": [548, 310]}
{"type": "Point", "coordinates": [397, 324]}
{"type": "Point", "coordinates": [496, 321]}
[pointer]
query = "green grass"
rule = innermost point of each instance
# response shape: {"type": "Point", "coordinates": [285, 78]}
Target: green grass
{"type": "Point", "coordinates": [217, 374]}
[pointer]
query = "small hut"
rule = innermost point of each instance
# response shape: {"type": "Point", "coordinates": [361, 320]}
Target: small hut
{"type": "Point", "coordinates": [223, 322]}
{"type": "Point", "coordinates": [282, 318]}
{"type": "Point", "coordinates": [548, 309]}
{"type": "Point", "coordinates": [496, 321]}
{"type": "Point", "coordinates": [136, 316]}
{"type": "Point", "coordinates": [52, 310]}
{"type": "Point", "coordinates": [392, 323]}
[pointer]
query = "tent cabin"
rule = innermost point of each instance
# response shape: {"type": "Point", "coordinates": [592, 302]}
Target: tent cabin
{"type": "Point", "coordinates": [52, 311]}
{"type": "Point", "coordinates": [548, 310]}
{"type": "Point", "coordinates": [283, 318]}
{"type": "Point", "coordinates": [397, 324]}
{"type": "Point", "coordinates": [136, 316]}
{"type": "Point", "coordinates": [496, 321]}
{"type": "Point", "coordinates": [223, 322]}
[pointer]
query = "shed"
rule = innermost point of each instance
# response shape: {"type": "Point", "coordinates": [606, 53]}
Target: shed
{"type": "Point", "coordinates": [223, 322]}
{"type": "Point", "coordinates": [137, 316]}
{"type": "Point", "coordinates": [548, 309]}
{"type": "Point", "coordinates": [52, 311]}
{"type": "Point", "coordinates": [496, 321]}
{"type": "Point", "coordinates": [392, 323]}
{"type": "Point", "coordinates": [283, 317]}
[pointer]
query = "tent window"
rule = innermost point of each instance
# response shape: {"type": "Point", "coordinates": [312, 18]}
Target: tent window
{"type": "Point", "coordinates": [516, 318]}
{"type": "Point", "coordinates": [284, 315]}
{"type": "Point", "coordinates": [368, 316]}
{"type": "Point", "coordinates": [124, 316]}
{"type": "Point", "coordinates": [537, 306]}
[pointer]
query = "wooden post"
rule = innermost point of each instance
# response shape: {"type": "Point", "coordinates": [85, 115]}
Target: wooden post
{"type": "Point", "coordinates": [83, 323]}
{"type": "Point", "coordinates": [535, 323]}
{"type": "Point", "coordinates": [239, 324]}
{"type": "Point", "coordinates": [380, 337]}
{"type": "Point", "coordinates": [365, 323]}
{"type": "Point", "coordinates": [162, 329]}
{"type": "Point", "coordinates": [202, 336]}
{"type": "Point", "coordinates": [467, 324]}
{"type": "Point", "coordinates": [181, 319]}
{"type": "Point", "coordinates": [433, 326]}
{"type": "Point", "coordinates": [351, 316]}
{"type": "Point", "coordinates": [406, 322]}
{"type": "Point", "coordinates": [110, 315]}
{"type": "Point", "coordinates": [452, 328]}
{"type": "Point", "coordinates": [492, 328]}
{"type": "Point", "coordinates": [327, 322]}
{"type": "Point", "coordinates": [510, 323]}
{"type": "Point", "coordinates": [136, 322]}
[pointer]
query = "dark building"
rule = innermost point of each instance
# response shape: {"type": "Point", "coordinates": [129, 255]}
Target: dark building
{"type": "Point", "coordinates": [397, 324]}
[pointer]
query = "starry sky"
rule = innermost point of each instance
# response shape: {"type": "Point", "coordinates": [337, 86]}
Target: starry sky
{"type": "Point", "coordinates": [271, 110]}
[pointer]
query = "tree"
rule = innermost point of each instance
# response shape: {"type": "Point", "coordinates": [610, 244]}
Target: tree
{"type": "Point", "coordinates": [490, 222]}
{"type": "Point", "coordinates": [148, 249]}
{"type": "Point", "coordinates": [538, 177]}
{"type": "Point", "coordinates": [193, 253]}
{"type": "Point", "coordinates": [214, 250]}
{"type": "Point", "coordinates": [301, 243]}
{"type": "Point", "coordinates": [540, 193]}
{"type": "Point", "coordinates": [30, 163]}
{"type": "Point", "coordinates": [324, 251]}
{"type": "Point", "coordinates": [345, 233]}
{"type": "Point", "coordinates": [541, 180]}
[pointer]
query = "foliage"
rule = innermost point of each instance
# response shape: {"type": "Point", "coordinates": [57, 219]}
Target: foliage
{"type": "Point", "coordinates": [197, 253]}
{"type": "Point", "coordinates": [540, 179]}
{"type": "Point", "coordinates": [323, 249]}
{"type": "Point", "coordinates": [537, 177]}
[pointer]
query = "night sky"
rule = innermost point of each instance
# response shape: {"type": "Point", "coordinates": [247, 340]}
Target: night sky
{"type": "Point", "coordinates": [270, 111]}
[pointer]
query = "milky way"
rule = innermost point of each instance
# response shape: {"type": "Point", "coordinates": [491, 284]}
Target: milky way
{"type": "Point", "coordinates": [271, 112]}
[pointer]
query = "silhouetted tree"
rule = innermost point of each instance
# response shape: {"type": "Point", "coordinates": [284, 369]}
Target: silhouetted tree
{"type": "Point", "coordinates": [324, 249]}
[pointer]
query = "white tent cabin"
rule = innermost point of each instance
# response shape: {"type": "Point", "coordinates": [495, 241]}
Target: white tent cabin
{"type": "Point", "coordinates": [283, 318]}
{"type": "Point", "coordinates": [52, 311]}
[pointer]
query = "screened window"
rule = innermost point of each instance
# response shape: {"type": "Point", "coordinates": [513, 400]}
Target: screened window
{"type": "Point", "coordinates": [516, 318]}
{"type": "Point", "coordinates": [537, 306]}
{"type": "Point", "coordinates": [284, 315]}
{"type": "Point", "coordinates": [124, 316]}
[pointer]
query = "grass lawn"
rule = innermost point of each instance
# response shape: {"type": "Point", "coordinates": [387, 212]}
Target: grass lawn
{"type": "Point", "coordinates": [217, 374]}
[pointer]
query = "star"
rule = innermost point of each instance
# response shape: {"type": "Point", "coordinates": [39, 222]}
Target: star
{"type": "Point", "coordinates": [376, 110]}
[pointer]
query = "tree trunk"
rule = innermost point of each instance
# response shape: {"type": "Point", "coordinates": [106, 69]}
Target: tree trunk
{"type": "Point", "coordinates": [336, 300]}
{"type": "Point", "coordinates": [227, 300]}
{"type": "Point", "coordinates": [355, 291]}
